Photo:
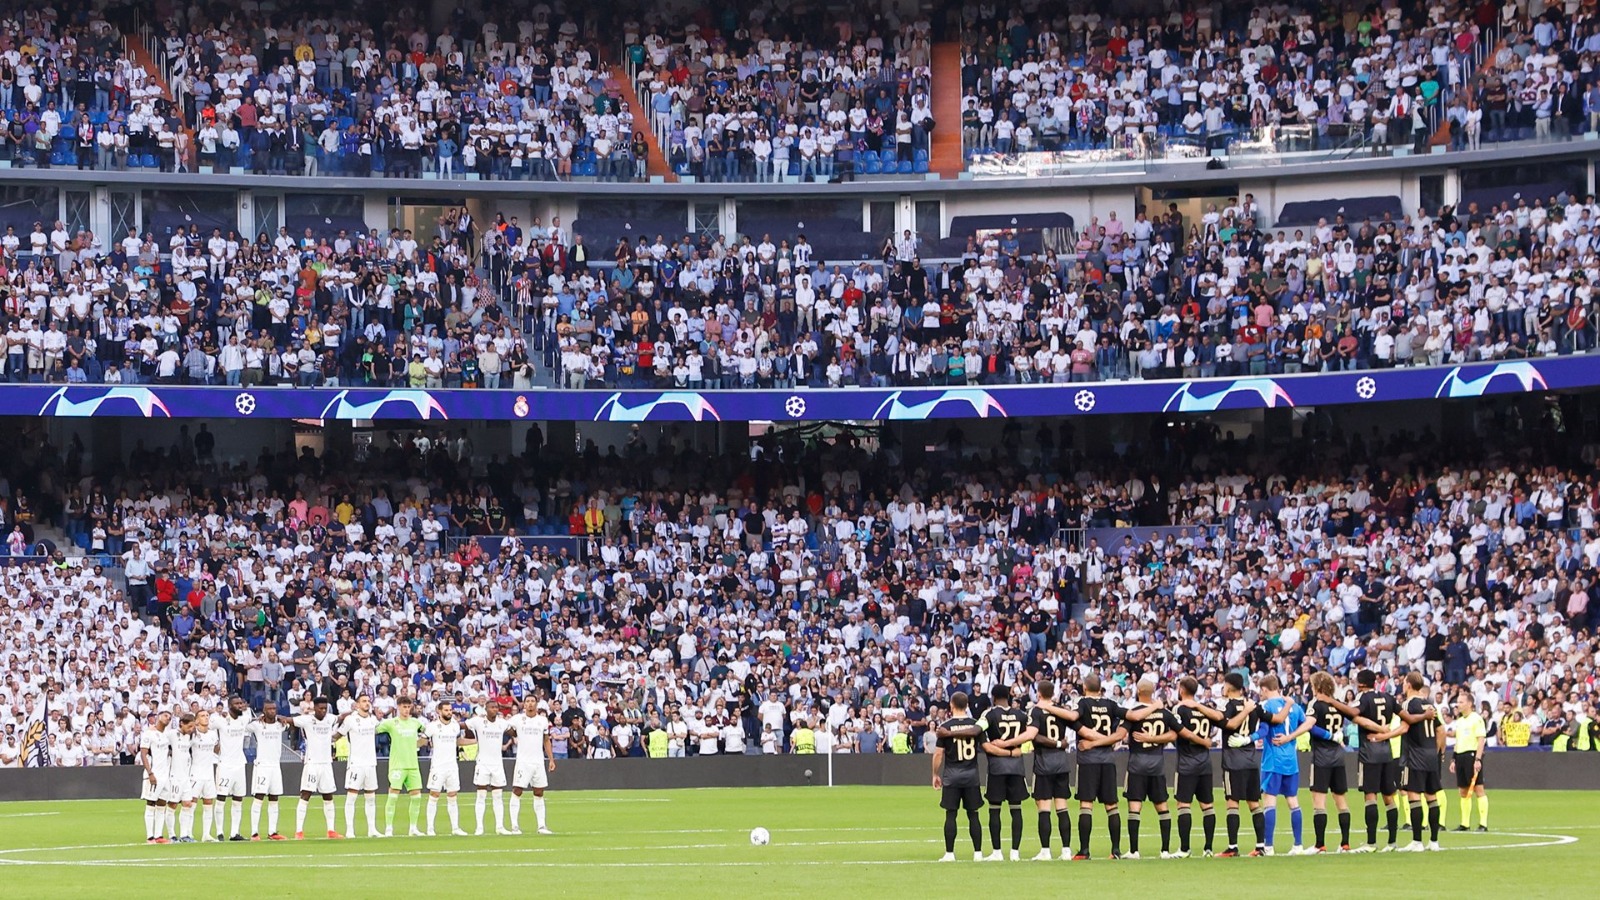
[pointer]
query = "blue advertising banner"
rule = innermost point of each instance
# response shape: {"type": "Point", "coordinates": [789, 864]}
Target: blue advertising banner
{"type": "Point", "coordinates": [802, 404]}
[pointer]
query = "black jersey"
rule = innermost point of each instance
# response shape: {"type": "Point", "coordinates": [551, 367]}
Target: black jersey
{"type": "Point", "coordinates": [1381, 709]}
{"type": "Point", "coordinates": [1051, 760]}
{"type": "Point", "coordinates": [960, 768]}
{"type": "Point", "coordinates": [1103, 716]}
{"type": "Point", "coordinates": [1420, 742]}
{"type": "Point", "coordinates": [1145, 758]}
{"type": "Point", "coordinates": [1247, 756]}
{"type": "Point", "coordinates": [1193, 759]}
{"type": "Point", "coordinates": [1327, 751]}
{"type": "Point", "coordinates": [1002, 724]}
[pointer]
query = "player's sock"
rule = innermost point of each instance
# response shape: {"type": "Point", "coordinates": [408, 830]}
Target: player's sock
{"type": "Point", "coordinates": [170, 822]}
{"type": "Point", "coordinates": [327, 816]}
{"type": "Point", "coordinates": [186, 822]}
{"type": "Point", "coordinates": [1085, 830]}
{"type": "Point", "coordinates": [538, 813]}
{"type": "Point", "coordinates": [1372, 823]}
{"type": "Point", "coordinates": [516, 812]}
{"type": "Point", "coordinates": [949, 831]}
{"type": "Point", "coordinates": [1416, 822]}
{"type": "Point", "coordinates": [1233, 829]}
{"type": "Point", "coordinates": [453, 806]}
{"type": "Point", "coordinates": [272, 816]}
{"type": "Point", "coordinates": [149, 822]}
{"type": "Point", "coordinates": [1392, 822]}
{"type": "Point", "coordinates": [433, 807]}
{"type": "Point", "coordinates": [415, 804]}
{"type": "Point", "coordinates": [498, 796]}
{"type": "Point", "coordinates": [1114, 825]}
{"type": "Point", "coordinates": [1435, 820]}
{"type": "Point", "coordinates": [1166, 831]}
{"type": "Point", "coordinates": [1064, 825]}
{"type": "Point", "coordinates": [371, 804]}
{"type": "Point", "coordinates": [1258, 820]}
{"type": "Point", "coordinates": [1344, 827]}
{"type": "Point", "coordinates": [206, 814]}
{"type": "Point", "coordinates": [1185, 822]}
{"type": "Point", "coordinates": [994, 828]}
{"type": "Point", "coordinates": [388, 811]}
{"type": "Point", "coordinates": [1208, 821]}
{"type": "Point", "coordinates": [350, 815]}
{"type": "Point", "coordinates": [1133, 831]}
{"type": "Point", "coordinates": [1319, 826]}
{"type": "Point", "coordinates": [1296, 824]}
{"type": "Point", "coordinates": [235, 814]}
{"type": "Point", "coordinates": [1272, 826]}
{"type": "Point", "coordinates": [300, 816]}
{"type": "Point", "coordinates": [478, 805]}
{"type": "Point", "coordinates": [255, 815]}
{"type": "Point", "coordinates": [1483, 811]}
{"type": "Point", "coordinates": [1045, 826]}
{"type": "Point", "coordinates": [975, 830]}
{"type": "Point", "coordinates": [1016, 828]}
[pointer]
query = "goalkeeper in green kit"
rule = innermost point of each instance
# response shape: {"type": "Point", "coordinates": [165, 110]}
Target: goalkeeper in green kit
{"type": "Point", "coordinates": [405, 774]}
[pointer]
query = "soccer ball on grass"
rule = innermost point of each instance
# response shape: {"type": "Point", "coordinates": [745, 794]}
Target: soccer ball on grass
{"type": "Point", "coordinates": [759, 837]}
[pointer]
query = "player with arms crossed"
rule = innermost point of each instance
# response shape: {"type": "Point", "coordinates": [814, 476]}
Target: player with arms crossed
{"type": "Point", "coordinates": [1195, 721]}
{"type": "Point", "coordinates": [1328, 773]}
{"type": "Point", "coordinates": [1423, 745]}
{"type": "Point", "coordinates": [1050, 728]}
{"type": "Point", "coordinates": [1469, 731]}
{"type": "Point", "coordinates": [489, 772]}
{"type": "Point", "coordinates": [405, 773]}
{"type": "Point", "coordinates": [1241, 763]}
{"type": "Point", "coordinates": [231, 731]}
{"type": "Point", "coordinates": [533, 761]}
{"type": "Point", "coordinates": [444, 772]}
{"type": "Point", "coordinates": [155, 757]}
{"type": "Point", "coordinates": [1100, 729]}
{"type": "Point", "coordinates": [316, 775]}
{"type": "Point", "coordinates": [1003, 726]}
{"type": "Point", "coordinates": [955, 776]}
{"type": "Point", "coordinates": [1151, 727]}
{"type": "Point", "coordinates": [266, 780]}
{"type": "Point", "coordinates": [360, 728]}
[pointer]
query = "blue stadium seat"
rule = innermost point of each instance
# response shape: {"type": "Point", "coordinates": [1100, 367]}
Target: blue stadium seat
{"type": "Point", "coordinates": [873, 166]}
{"type": "Point", "coordinates": [920, 167]}
{"type": "Point", "coordinates": [67, 133]}
{"type": "Point", "coordinates": [905, 167]}
{"type": "Point", "coordinates": [920, 154]}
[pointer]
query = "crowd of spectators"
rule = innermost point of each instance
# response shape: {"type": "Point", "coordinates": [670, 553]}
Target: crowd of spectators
{"type": "Point", "coordinates": [842, 587]}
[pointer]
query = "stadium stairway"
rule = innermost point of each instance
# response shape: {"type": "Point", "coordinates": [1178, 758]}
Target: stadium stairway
{"type": "Point", "coordinates": [657, 163]}
{"type": "Point", "coordinates": [142, 57]}
{"type": "Point", "coordinates": [945, 159]}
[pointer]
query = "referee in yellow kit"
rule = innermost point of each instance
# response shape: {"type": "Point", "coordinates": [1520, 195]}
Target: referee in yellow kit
{"type": "Point", "coordinates": [1469, 730]}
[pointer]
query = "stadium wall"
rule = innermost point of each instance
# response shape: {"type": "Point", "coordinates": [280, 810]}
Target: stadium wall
{"type": "Point", "coordinates": [1503, 770]}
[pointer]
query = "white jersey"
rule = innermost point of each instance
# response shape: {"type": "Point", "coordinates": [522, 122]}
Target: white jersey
{"type": "Point", "coordinates": [319, 738]}
{"type": "Point", "coordinates": [230, 734]}
{"type": "Point", "coordinates": [491, 737]}
{"type": "Point", "coordinates": [363, 733]}
{"type": "Point", "coordinates": [182, 758]}
{"type": "Point", "coordinates": [530, 731]}
{"type": "Point", "coordinates": [159, 745]}
{"type": "Point", "coordinates": [443, 737]}
{"type": "Point", "coordinates": [205, 753]}
{"type": "Point", "coordinates": [269, 742]}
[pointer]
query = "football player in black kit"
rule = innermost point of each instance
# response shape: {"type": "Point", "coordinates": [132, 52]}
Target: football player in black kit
{"type": "Point", "coordinates": [1003, 727]}
{"type": "Point", "coordinates": [1377, 771]}
{"type": "Point", "coordinates": [1151, 729]}
{"type": "Point", "coordinates": [1099, 730]}
{"type": "Point", "coordinates": [1194, 764]}
{"type": "Point", "coordinates": [1241, 763]}
{"type": "Point", "coordinates": [1328, 775]}
{"type": "Point", "coordinates": [1051, 734]}
{"type": "Point", "coordinates": [1423, 746]}
{"type": "Point", "coordinates": [955, 775]}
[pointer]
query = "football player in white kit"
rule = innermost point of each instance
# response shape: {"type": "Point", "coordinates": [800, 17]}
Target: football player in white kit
{"type": "Point", "coordinates": [205, 774]}
{"type": "Point", "coordinates": [181, 786]}
{"type": "Point", "coordinates": [444, 773]}
{"type": "Point", "coordinates": [361, 775]}
{"type": "Point", "coordinates": [489, 774]}
{"type": "Point", "coordinates": [316, 777]}
{"type": "Point", "coordinates": [533, 761]}
{"type": "Point", "coordinates": [231, 730]}
{"type": "Point", "coordinates": [155, 755]}
{"type": "Point", "coordinates": [266, 781]}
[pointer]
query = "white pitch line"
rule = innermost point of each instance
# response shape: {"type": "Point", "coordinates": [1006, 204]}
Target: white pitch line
{"type": "Point", "coordinates": [27, 815]}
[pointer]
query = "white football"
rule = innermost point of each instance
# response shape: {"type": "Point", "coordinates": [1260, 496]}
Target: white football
{"type": "Point", "coordinates": [759, 837]}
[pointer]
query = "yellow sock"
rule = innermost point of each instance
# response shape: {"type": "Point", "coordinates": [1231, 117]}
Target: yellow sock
{"type": "Point", "coordinates": [1483, 811]}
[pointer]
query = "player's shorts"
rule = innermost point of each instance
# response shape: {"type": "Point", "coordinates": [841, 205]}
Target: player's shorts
{"type": "Point", "coordinates": [1330, 779]}
{"type": "Point", "coordinates": [151, 793]}
{"type": "Point", "coordinates": [169, 791]}
{"type": "Point", "coordinates": [491, 774]}
{"type": "Point", "coordinates": [317, 778]}
{"type": "Point", "coordinates": [361, 778]}
{"type": "Point", "coordinates": [188, 790]}
{"type": "Point", "coordinates": [1378, 777]}
{"type": "Point", "coordinates": [231, 782]}
{"type": "Point", "coordinates": [1464, 764]}
{"type": "Point", "coordinates": [1421, 781]}
{"type": "Point", "coordinates": [1052, 787]}
{"type": "Point", "coordinates": [206, 787]}
{"type": "Point", "coordinates": [1145, 787]}
{"type": "Point", "coordinates": [532, 774]}
{"type": "Point", "coordinates": [444, 777]}
{"type": "Point", "coordinates": [1006, 789]}
{"type": "Point", "coordinates": [1278, 784]}
{"type": "Point", "coordinates": [1097, 782]}
{"type": "Point", "coordinates": [1242, 785]}
{"type": "Point", "coordinates": [1197, 786]}
{"type": "Point", "coordinates": [953, 798]}
{"type": "Point", "coordinates": [266, 781]}
{"type": "Point", "coordinates": [405, 779]}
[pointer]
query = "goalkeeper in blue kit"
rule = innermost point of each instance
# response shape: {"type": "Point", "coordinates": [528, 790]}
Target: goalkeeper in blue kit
{"type": "Point", "coordinates": [1282, 722]}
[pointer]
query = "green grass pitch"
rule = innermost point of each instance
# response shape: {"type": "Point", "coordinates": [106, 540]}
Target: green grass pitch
{"type": "Point", "coordinates": [866, 842]}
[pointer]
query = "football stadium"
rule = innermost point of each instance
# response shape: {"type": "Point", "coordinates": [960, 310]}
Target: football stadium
{"type": "Point", "coordinates": [668, 446]}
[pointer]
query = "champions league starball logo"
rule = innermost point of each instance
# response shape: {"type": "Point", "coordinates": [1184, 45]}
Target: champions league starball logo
{"type": "Point", "coordinates": [1245, 393]}
{"type": "Point", "coordinates": [981, 403]}
{"type": "Point", "coordinates": [1525, 376]}
{"type": "Point", "coordinates": [673, 405]}
{"type": "Point", "coordinates": [107, 401]}
{"type": "Point", "coordinates": [421, 404]}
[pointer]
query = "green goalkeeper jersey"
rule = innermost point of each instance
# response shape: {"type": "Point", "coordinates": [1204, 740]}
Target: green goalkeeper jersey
{"type": "Point", "coordinates": [402, 741]}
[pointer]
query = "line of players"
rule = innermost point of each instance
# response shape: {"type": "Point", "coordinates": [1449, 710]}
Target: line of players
{"type": "Point", "coordinates": [197, 759]}
{"type": "Point", "coordinates": [1259, 764]}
